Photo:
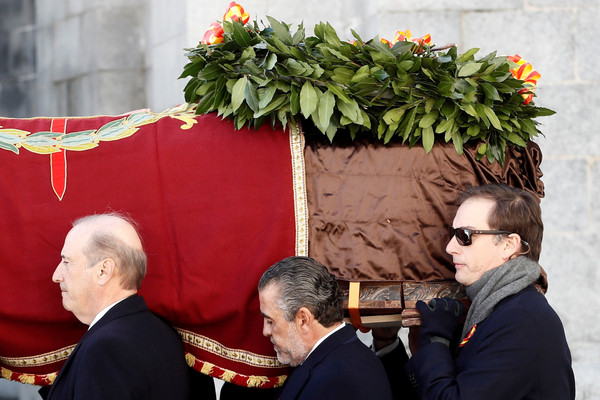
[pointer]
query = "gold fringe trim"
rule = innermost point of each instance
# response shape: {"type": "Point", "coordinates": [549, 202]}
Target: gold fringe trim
{"type": "Point", "coordinates": [227, 375]}
{"type": "Point", "coordinates": [30, 379]}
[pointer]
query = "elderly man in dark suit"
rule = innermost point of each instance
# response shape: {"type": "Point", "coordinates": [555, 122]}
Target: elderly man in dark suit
{"type": "Point", "coordinates": [127, 352]}
{"type": "Point", "coordinates": [302, 309]}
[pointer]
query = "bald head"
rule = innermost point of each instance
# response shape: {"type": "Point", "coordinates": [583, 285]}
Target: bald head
{"type": "Point", "coordinates": [115, 236]}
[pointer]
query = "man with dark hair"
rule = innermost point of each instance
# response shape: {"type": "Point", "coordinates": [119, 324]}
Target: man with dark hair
{"type": "Point", "coordinates": [512, 344]}
{"type": "Point", "coordinates": [302, 308]}
{"type": "Point", "coordinates": [127, 352]}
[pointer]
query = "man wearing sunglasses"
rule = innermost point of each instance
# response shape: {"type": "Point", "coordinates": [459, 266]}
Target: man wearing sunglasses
{"type": "Point", "coordinates": [512, 344]}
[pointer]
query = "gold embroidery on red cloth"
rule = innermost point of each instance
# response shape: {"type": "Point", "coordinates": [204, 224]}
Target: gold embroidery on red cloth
{"type": "Point", "coordinates": [41, 359]}
{"type": "Point", "coordinates": [56, 142]}
{"type": "Point", "coordinates": [300, 202]}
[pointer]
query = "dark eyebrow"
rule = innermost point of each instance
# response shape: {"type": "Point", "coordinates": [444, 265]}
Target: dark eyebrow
{"type": "Point", "coordinates": [265, 315]}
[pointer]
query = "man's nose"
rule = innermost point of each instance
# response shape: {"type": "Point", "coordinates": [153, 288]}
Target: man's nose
{"type": "Point", "coordinates": [57, 275]}
{"type": "Point", "coordinates": [266, 329]}
{"type": "Point", "coordinates": [452, 246]}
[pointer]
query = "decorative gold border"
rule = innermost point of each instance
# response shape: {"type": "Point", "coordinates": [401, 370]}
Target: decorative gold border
{"type": "Point", "coordinates": [237, 355]}
{"type": "Point", "coordinates": [299, 183]}
{"type": "Point", "coordinates": [41, 359]}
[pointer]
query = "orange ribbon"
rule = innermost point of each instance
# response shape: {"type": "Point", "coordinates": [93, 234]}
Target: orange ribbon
{"type": "Point", "coordinates": [353, 306]}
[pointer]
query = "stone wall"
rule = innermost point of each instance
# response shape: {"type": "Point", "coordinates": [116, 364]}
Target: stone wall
{"type": "Point", "coordinates": [79, 57]}
{"type": "Point", "coordinates": [17, 56]}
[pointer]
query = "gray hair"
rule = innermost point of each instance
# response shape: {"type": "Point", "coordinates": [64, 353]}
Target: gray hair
{"type": "Point", "coordinates": [132, 262]}
{"type": "Point", "coordinates": [303, 282]}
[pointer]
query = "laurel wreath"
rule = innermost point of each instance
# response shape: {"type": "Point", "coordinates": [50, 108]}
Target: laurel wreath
{"type": "Point", "coordinates": [409, 92]}
{"type": "Point", "coordinates": [45, 142]}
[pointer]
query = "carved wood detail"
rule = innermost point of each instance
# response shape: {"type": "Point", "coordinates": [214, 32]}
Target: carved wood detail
{"type": "Point", "coordinates": [393, 297]}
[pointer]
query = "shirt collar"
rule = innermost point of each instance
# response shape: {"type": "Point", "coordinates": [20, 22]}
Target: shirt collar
{"type": "Point", "coordinates": [103, 312]}
{"type": "Point", "coordinates": [322, 339]}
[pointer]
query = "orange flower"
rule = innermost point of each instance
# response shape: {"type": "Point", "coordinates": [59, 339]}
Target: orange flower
{"type": "Point", "coordinates": [525, 72]}
{"type": "Point", "coordinates": [385, 41]}
{"type": "Point", "coordinates": [213, 35]}
{"type": "Point", "coordinates": [423, 40]}
{"type": "Point", "coordinates": [401, 35]}
{"type": "Point", "coordinates": [235, 12]}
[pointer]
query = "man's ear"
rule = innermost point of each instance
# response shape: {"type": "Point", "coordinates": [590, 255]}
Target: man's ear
{"type": "Point", "coordinates": [105, 271]}
{"type": "Point", "coordinates": [304, 319]}
{"type": "Point", "coordinates": [512, 245]}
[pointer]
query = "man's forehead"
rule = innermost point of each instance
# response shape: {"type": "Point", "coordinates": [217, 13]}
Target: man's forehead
{"type": "Point", "coordinates": [74, 242]}
{"type": "Point", "coordinates": [268, 301]}
{"type": "Point", "coordinates": [473, 213]}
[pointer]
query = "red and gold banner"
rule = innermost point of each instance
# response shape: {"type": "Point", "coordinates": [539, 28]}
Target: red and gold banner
{"type": "Point", "coordinates": [216, 208]}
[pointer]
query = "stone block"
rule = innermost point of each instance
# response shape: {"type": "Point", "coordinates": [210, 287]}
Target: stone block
{"type": "Point", "coordinates": [112, 38]}
{"type": "Point", "coordinates": [4, 50]}
{"type": "Point", "coordinates": [562, 4]}
{"type": "Point", "coordinates": [544, 38]}
{"type": "Point", "coordinates": [49, 13]}
{"type": "Point", "coordinates": [16, 13]}
{"type": "Point", "coordinates": [595, 193]}
{"type": "Point", "coordinates": [121, 91]}
{"type": "Point", "coordinates": [565, 207]}
{"type": "Point", "coordinates": [21, 51]}
{"type": "Point", "coordinates": [67, 49]}
{"type": "Point", "coordinates": [165, 63]}
{"type": "Point", "coordinates": [44, 48]}
{"type": "Point", "coordinates": [573, 130]}
{"type": "Point", "coordinates": [50, 99]}
{"type": "Point", "coordinates": [120, 3]}
{"type": "Point", "coordinates": [167, 20]}
{"type": "Point", "coordinates": [455, 5]}
{"type": "Point", "coordinates": [586, 366]}
{"type": "Point", "coordinates": [16, 98]}
{"type": "Point", "coordinates": [75, 7]}
{"type": "Point", "coordinates": [588, 56]}
{"type": "Point", "coordinates": [573, 276]}
{"type": "Point", "coordinates": [107, 92]}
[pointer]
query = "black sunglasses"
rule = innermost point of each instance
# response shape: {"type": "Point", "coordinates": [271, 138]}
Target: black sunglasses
{"type": "Point", "coordinates": [463, 235]}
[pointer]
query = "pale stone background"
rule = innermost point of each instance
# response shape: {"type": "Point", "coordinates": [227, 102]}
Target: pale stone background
{"type": "Point", "coordinates": [87, 57]}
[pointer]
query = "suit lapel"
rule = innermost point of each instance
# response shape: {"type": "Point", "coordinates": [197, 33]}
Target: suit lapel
{"type": "Point", "coordinates": [66, 366]}
{"type": "Point", "coordinates": [129, 305]}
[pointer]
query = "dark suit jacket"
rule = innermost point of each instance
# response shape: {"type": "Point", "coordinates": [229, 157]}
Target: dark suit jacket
{"type": "Point", "coordinates": [393, 363]}
{"type": "Point", "coordinates": [128, 354]}
{"type": "Point", "coordinates": [341, 367]}
{"type": "Point", "coordinates": [518, 352]}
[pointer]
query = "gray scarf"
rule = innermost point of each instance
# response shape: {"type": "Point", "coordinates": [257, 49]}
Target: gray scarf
{"type": "Point", "coordinates": [497, 284]}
